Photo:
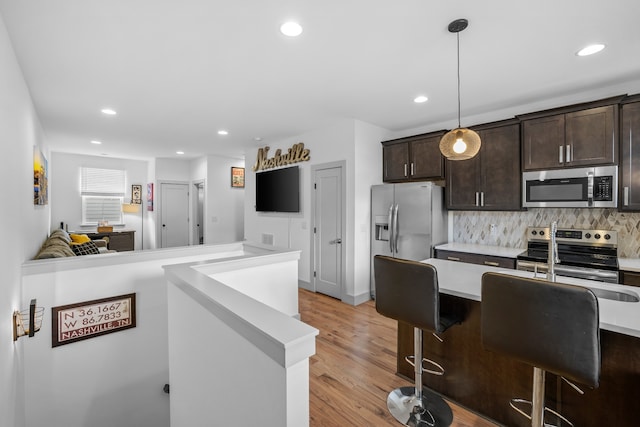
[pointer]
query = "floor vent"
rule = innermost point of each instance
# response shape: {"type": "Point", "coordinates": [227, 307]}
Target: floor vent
{"type": "Point", "coordinates": [267, 239]}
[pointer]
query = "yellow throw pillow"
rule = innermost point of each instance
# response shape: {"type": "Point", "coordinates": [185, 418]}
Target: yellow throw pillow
{"type": "Point", "coordinates": [80, 238]}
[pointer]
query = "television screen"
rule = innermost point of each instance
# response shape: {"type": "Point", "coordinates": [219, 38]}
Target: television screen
{"type": "Point", "coordinates": [278, 190]}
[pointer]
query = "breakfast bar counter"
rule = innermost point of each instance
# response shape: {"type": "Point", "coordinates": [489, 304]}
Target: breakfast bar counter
{"type": "Point", "coordinates": [463, 280]}
{"type": "Point", "coordinates": [484, 381]}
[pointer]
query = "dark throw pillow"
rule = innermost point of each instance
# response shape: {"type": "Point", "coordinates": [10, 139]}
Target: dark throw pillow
{"type": "Point", "coordinates": [87, 248]}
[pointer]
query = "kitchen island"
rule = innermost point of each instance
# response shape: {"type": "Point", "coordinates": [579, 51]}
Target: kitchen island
{"type": "Point", "coordinates": [485, 381]}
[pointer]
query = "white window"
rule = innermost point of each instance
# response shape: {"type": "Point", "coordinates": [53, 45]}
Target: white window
{"type": "Point", "coordinates": [102, 192]}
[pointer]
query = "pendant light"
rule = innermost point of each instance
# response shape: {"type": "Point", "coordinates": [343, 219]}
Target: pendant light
{"type": "Point", "coordinates": [460, 143]}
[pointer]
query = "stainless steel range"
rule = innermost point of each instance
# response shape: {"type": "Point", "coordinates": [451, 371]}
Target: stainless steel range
{"type": "Point", "coordinates": [584, 254]}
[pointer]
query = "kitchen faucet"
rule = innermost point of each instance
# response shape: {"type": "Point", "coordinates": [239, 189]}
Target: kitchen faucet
{"type": "Point", "coordinates": [553, 253]}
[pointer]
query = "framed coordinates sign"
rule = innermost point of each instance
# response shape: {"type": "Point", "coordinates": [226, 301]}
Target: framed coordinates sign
{"type": "Point", "coordinates": [89, 319]}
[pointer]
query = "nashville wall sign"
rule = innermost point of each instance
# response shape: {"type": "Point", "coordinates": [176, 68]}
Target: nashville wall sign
{"type": "Point", "coordinates": [297, 153]}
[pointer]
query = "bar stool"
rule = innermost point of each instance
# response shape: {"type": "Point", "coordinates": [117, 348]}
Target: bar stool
{"type": "Point", "coordinates": [551, 326]}
{"type": "Point", "coordinates": [408, 291]}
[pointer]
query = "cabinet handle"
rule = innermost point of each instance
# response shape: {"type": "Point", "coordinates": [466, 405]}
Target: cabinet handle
{"type": "Point", "coordinates": [492, 263]}
{"type": "Point", "coordinates": [626, 196]}
{"type": "Point", "coordinates": [477, 199]}
{"type": "Point", "coordinates": [453, 258]}
{"type": "Point", "coordinates": [405, 169]}
{"type": "Point", "coordinates": [568, 153]}
{"type": "Point", "coordinates": [482, 198]}
{"type": "Point", "coordinates": [412, 171]}
{"type": "Point", "coordinates": [560, 154]}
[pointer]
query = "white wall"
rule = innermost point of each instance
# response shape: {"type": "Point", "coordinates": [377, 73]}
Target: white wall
{"type": "Point", "coordinates": [358, 144]}
{"type": "Point", "coordinates": [65, 189]}
{"type": "Point", "coordinates": [24, 226]}
{"type": "Point", "coordinates": [111, 380]}
{"type": "Point", "coordinates": [368, 172]}
{"type": "Point", "coordinates": [252, 316]}
{"type": "Point", "coordinates": [224, 206]}
{"type": "Point", "coordinates": [172, 169]}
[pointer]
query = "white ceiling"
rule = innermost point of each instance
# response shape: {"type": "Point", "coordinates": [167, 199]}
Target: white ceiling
{"type": "Point", "coordinates": [178, 71]}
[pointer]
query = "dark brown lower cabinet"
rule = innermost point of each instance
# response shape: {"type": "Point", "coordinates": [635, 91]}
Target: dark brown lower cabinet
{"type": "Point", "coordinates": [484, 381]}
{"type": "Point", "coordinates": [490, 260]}
{"type": "Point", "coordinates": [629, 278]}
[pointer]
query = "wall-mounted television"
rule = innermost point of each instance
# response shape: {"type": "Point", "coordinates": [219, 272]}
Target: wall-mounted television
{"type": "Point", "coordinates": [278, 190]}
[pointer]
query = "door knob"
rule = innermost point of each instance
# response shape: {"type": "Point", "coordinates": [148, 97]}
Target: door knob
{"type": "Point", "coordinates": [337, 241]}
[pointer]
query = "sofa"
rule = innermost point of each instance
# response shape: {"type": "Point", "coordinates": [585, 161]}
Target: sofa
{"type": "Point", "coordinates": [61, 244]}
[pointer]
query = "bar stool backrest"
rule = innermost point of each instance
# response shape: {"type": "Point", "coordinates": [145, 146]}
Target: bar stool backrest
{"type": "Point", "coordinates": [407, 291]}
{"type": "Point", "coordinates": [552, 326]}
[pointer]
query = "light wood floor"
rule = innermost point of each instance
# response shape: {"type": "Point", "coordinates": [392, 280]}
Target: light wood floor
{"type": "Point", "coordinates": [354, 367]}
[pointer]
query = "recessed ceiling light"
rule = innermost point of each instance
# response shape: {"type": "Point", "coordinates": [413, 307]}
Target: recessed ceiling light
{"type": "Point", "coordinates": [257, 138]}
{"type": "Point", "coordinates": [96, 142]}
{"type": "Point", "coordinates": [179, 152]}
{"type": "Point", "coordinates": [109, 111]}
{"type": "Point", "coordinates": [291, 29]}
{"type": "Point", "coordinates": [420, 99]}
{"type": "Point", "coordinates": [590, 50]}
{"type": "Point", "coordinates": [223, 132]}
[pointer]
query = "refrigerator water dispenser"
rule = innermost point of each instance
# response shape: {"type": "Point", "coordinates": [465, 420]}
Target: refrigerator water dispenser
{"type": "Point", "coordinates": [382, 228]}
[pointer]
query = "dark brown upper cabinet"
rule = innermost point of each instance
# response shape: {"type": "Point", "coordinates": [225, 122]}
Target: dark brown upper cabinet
{"type": "Point", "coordinates": [575, 136]}
{"type": "Point", "coordinates": [415, 158]}
{"type": "Point", "coordinates": [492, 179]}
{"type": "Point", "coordinates": [629, 197]}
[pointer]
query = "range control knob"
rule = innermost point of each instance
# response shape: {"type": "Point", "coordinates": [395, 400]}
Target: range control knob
{"type": "Point", "coordinates": [534, 232]}
{"type": "Point", "coordinates": [597, 236]}
{"type": "Point", "coordinates": [607, 236]}
{"type": "Point", "coordinates": [588, 235]}
{"type": "Point", "coordinates": [542, 232]}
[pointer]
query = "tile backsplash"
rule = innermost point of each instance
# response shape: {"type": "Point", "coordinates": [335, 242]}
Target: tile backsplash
{"type": "Point", "coordinates": [509, 228]}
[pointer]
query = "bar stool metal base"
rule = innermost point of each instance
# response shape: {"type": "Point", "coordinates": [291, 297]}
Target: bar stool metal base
{"type": "Point", "coordinates": [402, 405]}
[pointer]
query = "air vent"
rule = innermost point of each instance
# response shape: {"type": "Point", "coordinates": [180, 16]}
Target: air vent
{"type": "Point", "coordinates": [267, 239]}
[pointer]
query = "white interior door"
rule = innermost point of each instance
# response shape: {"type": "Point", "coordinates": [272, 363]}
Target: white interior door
{"type": "Point", "coordinates": [328, 231]}
{"type": "Point", "coordinates": [174, 215]}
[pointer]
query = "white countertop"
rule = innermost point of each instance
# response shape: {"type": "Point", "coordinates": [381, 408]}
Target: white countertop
{"type": "Point", "coordinates": [629, 264]}
{"type": "Point", "coordinates": [481, 249]}
{"type": "Point", "coordinates": [464, 280]}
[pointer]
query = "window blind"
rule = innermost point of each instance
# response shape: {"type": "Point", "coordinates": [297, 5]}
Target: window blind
{"type": "Point", "coordinates": [106, 182]}
{"type": "Point", "coordinates": [102, 192]}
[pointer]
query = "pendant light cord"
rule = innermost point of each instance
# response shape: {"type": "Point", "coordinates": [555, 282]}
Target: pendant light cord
{"type": "Point", "coordinates": [458, 39]}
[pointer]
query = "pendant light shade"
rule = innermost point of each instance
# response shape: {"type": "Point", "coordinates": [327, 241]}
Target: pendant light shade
{"type": "Point", "coordinates": [459, 143]}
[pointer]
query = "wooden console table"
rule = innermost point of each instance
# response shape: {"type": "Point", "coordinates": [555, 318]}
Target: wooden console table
{"type": "Point", "coordinates": [120, 241]}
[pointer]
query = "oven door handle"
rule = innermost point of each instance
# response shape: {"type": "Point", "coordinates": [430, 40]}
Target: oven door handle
{"type": "Point", "coordinates": [541, 267]}
{"type": "Point", "coordinates": [537, 267]}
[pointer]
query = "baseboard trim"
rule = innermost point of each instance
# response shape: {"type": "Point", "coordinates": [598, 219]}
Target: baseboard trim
{"type": "Point", "coordinates": [347, 299]}
{"type": "Point", "coordinates": [356, 299]}
{"type": "Point", "coordinates": [305, 285]}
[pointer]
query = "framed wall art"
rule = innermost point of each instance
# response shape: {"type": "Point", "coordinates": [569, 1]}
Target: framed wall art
{"type": "Point", "coordinates": [237, 177]}
{"type": "Point", "coordinates": [150, 196]}
{"type": "Point", "coordinates": [40, 178]}
{"type": "Point", "coordinates": [88, 319]}
{"type": "Point", "coordinates": [136, 194]}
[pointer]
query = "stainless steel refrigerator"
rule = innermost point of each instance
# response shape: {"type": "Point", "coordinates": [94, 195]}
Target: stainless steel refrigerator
{"type": "Point", "coordinates": [407, 221]}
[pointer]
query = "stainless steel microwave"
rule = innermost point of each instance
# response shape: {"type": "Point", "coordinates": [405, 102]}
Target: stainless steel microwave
{"type": "Point", "coordinates": [595, 187]}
